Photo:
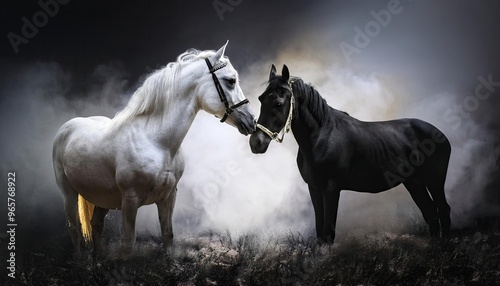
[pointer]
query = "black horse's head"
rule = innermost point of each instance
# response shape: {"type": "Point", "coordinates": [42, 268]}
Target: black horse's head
{"type": "Point", "coordinates": [275, 111]}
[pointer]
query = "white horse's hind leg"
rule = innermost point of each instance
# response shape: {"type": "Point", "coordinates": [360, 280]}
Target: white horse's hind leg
{"type": "Point", "coordinates": [71, 208]}
{"type": "Point", "coordinates": [130, 205]}
{"type": "Point", "coordinates": [165, 211]}
{"type": "Point", "coordinates": [97, 227]}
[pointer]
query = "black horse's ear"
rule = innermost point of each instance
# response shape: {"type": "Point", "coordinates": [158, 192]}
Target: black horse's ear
{"type": "Point", "coordinates": [285, 74]}
{"type": "Point", "coordinates": [272, 73]}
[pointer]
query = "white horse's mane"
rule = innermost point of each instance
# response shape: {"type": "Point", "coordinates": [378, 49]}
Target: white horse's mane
{"type": "Point", "coordinates": [158, 88]}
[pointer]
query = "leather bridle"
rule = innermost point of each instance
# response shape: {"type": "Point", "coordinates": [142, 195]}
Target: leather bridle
{"type": "Point", "coordinates": [220, 90]}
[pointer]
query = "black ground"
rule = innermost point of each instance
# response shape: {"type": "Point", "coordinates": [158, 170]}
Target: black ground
{"type": "Point", "coordinates": [469, 257]}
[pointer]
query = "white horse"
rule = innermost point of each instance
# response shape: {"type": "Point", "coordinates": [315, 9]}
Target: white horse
{"type": "Point", "coordinates": [135, 159]}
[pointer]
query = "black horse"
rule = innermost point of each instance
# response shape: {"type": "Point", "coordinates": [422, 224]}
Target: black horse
{"type": "Point", "coordinates": [338, 152]}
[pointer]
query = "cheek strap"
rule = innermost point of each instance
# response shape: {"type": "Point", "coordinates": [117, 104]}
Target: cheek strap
{"type": "Point", "coordinates": [220, 91]}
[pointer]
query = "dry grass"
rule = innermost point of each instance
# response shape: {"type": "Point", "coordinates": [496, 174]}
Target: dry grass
{"type": "Point", "coordinates": [468, 258]}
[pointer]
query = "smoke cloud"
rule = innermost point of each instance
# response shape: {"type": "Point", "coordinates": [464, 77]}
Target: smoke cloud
{"type": "Point", "coordinates": [421, 64]}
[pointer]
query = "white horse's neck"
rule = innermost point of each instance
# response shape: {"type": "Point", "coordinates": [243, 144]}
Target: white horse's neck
{"type": "Point", "coordinates": [170, 128]}
{"type": "Point", "coordinates": [162, 110]}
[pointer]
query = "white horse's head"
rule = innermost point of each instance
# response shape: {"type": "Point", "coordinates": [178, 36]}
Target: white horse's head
{"type": "Point", "coordinates": [217, 89]}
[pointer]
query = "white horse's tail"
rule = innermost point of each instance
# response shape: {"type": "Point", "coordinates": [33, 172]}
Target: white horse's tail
{"type": "Point", "coordinates": [85, 212]}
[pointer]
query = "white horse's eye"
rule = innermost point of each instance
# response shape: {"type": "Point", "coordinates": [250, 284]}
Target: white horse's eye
{"type": "Point", "coordinates": [231, 81]}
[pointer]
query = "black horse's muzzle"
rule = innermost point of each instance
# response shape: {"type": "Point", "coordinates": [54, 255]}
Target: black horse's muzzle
{"type": "Point", "coordinates": [259, 142]}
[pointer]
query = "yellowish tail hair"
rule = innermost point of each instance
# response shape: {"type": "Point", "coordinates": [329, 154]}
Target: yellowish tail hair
{"type": "Point", "coordinates": [85, 212]}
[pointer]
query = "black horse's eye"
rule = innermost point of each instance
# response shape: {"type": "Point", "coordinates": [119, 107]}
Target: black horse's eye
{"type": "Point", "coordinates": [278, 103]}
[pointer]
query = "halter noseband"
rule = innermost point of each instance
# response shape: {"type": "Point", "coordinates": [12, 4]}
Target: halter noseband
{"type": "Point", "coordinates": [220, 91]}
{"type": "Point", "coordinates": [285, 129]}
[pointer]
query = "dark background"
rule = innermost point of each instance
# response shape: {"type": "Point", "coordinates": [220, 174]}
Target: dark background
{"type": "Point", "coordinates": [148, 33]}
{"type": "Point", "coordinates": [438, 49]}
{"type": "Point", "coordinates": [459, 37]}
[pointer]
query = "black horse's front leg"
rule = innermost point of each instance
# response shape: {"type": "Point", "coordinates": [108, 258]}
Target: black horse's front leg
{"type": "Point", "coordinates": [319, 214]}
{"type": "Point", "coordinates": [331, 197]}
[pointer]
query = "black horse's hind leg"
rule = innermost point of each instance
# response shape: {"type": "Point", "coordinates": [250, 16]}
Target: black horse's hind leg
{"type": "Point", "coordinates": [426, 205]}
{"type": "Point", "coordinates": [317, 201]}
{"type": "Point", "coordinates": [97, 223]}
{"type": "Point", "coordinates": [437, 192]}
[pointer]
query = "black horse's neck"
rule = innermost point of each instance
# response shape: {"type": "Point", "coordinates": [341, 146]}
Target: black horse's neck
{"type": "Point", "coordinates": [311, 113]}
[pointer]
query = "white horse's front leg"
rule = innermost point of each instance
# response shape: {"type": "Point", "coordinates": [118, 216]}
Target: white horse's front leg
{"type": "Point", "coordinates": [130, 204]}
{"type": "Point", "coordinates": [165, 211]}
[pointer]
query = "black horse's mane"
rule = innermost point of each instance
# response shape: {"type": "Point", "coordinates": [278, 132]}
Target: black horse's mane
{"type": "Point", "coordinates": [308, 96]}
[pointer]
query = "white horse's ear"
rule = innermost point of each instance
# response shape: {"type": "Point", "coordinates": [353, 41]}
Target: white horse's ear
{"type": "Point", "coordinates": [272, 73]}
{"type": "Point", "coordinates": [220, 53]}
